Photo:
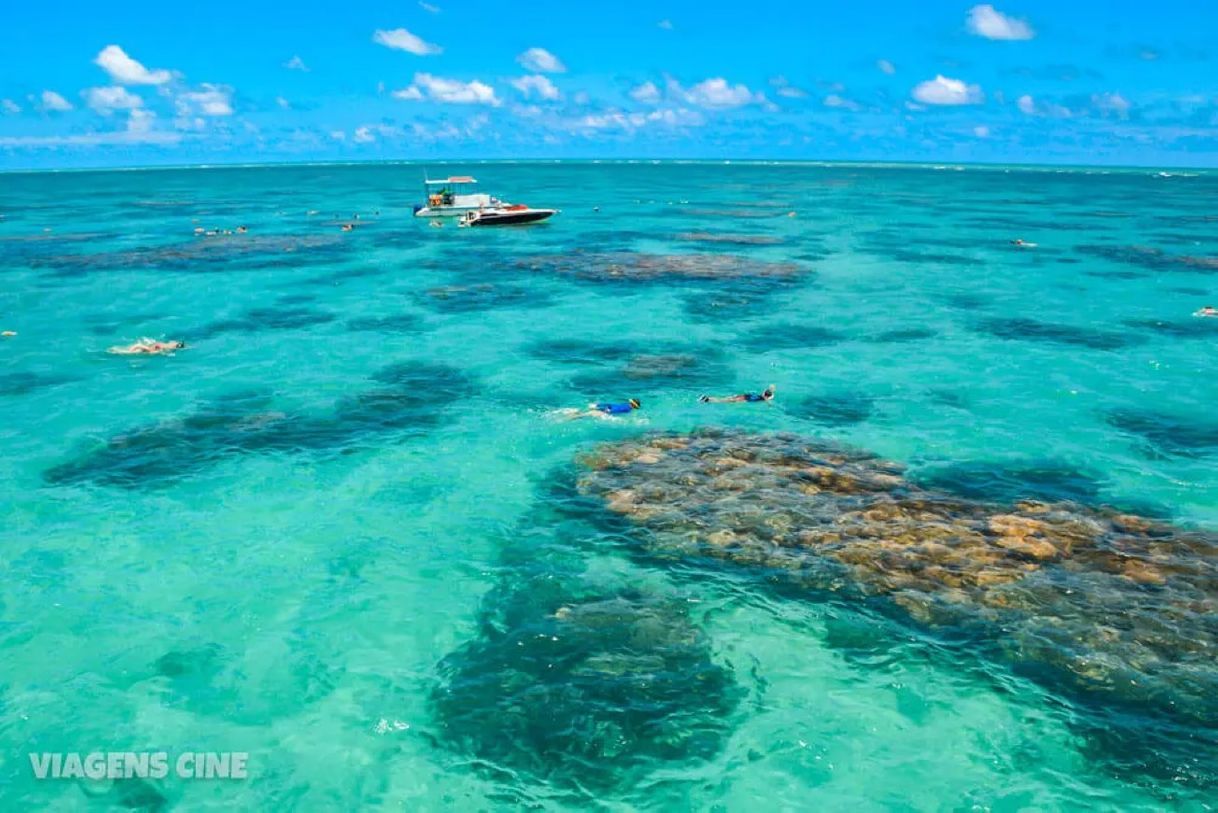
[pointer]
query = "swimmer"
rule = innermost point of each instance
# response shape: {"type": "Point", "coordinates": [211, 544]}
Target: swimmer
{"type": "Point", "coordinates": [347, 227]}
{"type": "Point", "coordinates": [1208, 310]}
{"type": "Point", "coordinates": [149, 347]}
{"type": "Point", "coordinates": [749, 397]}
{"type": "Point", "coordinates": [8, 333]}
{"type": "Point", "coordinates": [1018, 243]}
{"type": "Point", "coordinates": [242, 230]}
{"type": "Point", "coordinates": [436, 224]}
{"type": "Point", "coordinates": [604, 410]}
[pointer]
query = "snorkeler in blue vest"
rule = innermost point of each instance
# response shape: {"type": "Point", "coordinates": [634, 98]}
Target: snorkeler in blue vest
{"type": "Point", "coordinates": [604, 409]}
{"type": "Point", "coordinates": [744, 397]}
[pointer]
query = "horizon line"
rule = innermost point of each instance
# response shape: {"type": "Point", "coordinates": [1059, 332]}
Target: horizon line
{"type": "Point", "coordinates": [892, 163]}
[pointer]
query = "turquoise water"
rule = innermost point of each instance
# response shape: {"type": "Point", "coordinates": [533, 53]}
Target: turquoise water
{"type": "Point", "coordinates": [285, 539]}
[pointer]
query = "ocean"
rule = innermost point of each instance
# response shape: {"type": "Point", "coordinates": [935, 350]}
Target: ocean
{"type": "Point", "coordinates": [347, 532]}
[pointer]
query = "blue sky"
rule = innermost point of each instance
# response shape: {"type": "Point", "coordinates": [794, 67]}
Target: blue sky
{"type": "Point", "coordinates": [1024, 81]}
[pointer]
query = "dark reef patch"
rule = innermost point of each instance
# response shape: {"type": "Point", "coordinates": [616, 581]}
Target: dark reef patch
{"type": "Point", "coordinates": [1048, 481]}
{"type": "Point", "coordinates": [1192, 328]}
{"type": "Point", "coordinates": [483, 296]}
{"type": "Point", "coordinates": [1169, 434]}
{"type": "Point", "coordinates": [1030, 330]}
{"type": "Point", "coordinates": [901, 335]}
{"type": "Point", "coordinates": [581, 351]}
{"type": "Point", "coordinates": [661, 369]}
{"type": "Point", "coordinates": [393, 323]}
{"type": "Point", "coordinates": [256, 320]}
{"type": "Point", "coordinates": [203, 254]}
{"type": "Point", "coordinates": [584, 689]}
{"type": "Point", "coordinates": [25, 382]}
{"type": "Point", "coordinates": [734, 300]}
{"type": "Point", "coordinates": [414, 398]}
{"type": "Point", "coordinates": [1151, 258]}
{"type": "Point", "coordinates": [790, 336]}
{"type": "Point", "coordinates": [625, 266]}
{"type": "Point", "coordinates": [726, 238]}
{"type": "Point", "coordinates": [843, 408]}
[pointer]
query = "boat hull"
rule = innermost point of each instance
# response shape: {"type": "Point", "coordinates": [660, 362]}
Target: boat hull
{"type": "Point", "coordinates": [509, 218]}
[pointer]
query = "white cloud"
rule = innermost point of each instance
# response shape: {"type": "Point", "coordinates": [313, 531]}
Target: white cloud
{"type": "Point", "coordinates": [411, 93]}
{"type": "Point", "coordinates": [428, 7]}
{"type": "Point", "coordinates": [834, 100]}
{"type": "Point", "coordinates": [138, 131]}
{"type": "Point", "coordinates": [615, 120]}
{"type": "Point", "coordinates": [106, 100]}
{"type": "Point", "coordinates": [945, 91]}
{"type": "Point", "coordinates": [402, 40]}
{"type": "Point", "coordinates": [981, 131]}
{"type": "Point", "coordinates": [338, 135]}
{"type": "Point", "coordinates": [208, 100]}
{"type": "Point", "coordinates": [536, 84]}
{"type": "Point", "coordinates": [296, 64]}
{"type": "Point", "coordinates": [986, 21]}
{"type": "Point", "coordinates": [452, 91]}
{"type": "Point", "coordinates": [52, 101]}
{"type": "Point", "coordinates": [1111, 104]}
{"type": "Point", "coordinates": [716, 92]}
{"type": "Point", "coordinates": [1031, 107]}
{"type": "Point", "coordinates": [539, 60]}
{"type": "Point", "coordinates": [10, 107]}
{"type": "Point", "coordinates": [126, 71]}
{"type": "Point", "coordinates": [647, 93]}
{"type": "Point", "coordinates": [363, 136]}
{"type": "Point", "coordinates": [282, 102]}
{"type": "Point", "coordinates": [665, 24]}
{"type": "Point", "coordinates": [885, 66]}
{"type": "Point", "coordinates": [786, 89]}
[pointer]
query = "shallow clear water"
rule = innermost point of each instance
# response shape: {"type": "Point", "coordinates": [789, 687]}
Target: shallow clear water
{"type": "Point", "coordinates": [283, 539]}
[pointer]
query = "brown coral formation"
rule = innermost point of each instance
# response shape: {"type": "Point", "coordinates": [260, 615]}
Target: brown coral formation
{"type": "Point", "coordinates": [636, 266]}
{"type": "Point", "coordinates": [1117, 604]}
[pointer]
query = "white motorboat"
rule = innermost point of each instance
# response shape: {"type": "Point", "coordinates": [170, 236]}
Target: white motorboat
{"type": "Point", "coordinates": [453, 197]}
{"type": "Point", "coordinates": [457, 196]}
{"type": "Point", "coordinates": [506, 216]}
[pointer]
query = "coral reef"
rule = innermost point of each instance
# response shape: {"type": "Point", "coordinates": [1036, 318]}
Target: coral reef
{"type": "Point", "coordinates": [629, 266]}
{"type": "Point", "coordinates": [1113, 605]}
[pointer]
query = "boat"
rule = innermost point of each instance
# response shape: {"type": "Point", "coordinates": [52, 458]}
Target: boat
{"type": "Point", "coordinates": [453, 197]}
{"type": "Point", "coordinates": [506, 216]}
{"type": "Point", "coordinates": [457, 196]}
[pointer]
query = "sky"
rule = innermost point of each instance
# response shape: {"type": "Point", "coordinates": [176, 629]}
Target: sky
{"type": "Point", "coordinates": [141, 83]}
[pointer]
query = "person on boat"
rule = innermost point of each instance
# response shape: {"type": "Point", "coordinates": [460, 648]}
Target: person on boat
{"type": "Point", "coordinates": [1208, 310]}
{"type": "Point", "coordinates": [745, 397]}
{"type": "Point", "coordinates": [148, 347]}
{"type": "Point", "coordinates": [605, 409]}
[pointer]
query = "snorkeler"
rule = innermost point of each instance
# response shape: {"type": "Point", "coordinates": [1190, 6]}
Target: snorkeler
{"type": "Point", "coordinates": [603, 409]}
{"type": "Point", "coordinates": [749, 397]}
{"type": "Point", "coordinates": [1208, 310]}
{"type": "Point", "coordinates": [148, 347]}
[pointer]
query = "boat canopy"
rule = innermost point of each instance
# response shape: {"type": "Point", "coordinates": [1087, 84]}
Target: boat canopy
{"type": "Point", "coordinates": [453, 179]}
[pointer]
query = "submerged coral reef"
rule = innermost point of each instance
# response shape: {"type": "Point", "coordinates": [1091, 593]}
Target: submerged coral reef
{"type": "Point", "coordinates": [584, 688]}
{"type": "Point", "coordinates": [637, 266]}
{"type": "Point", "coordinates": [411, 398]}
{"type": "Point", "coordinates": [1115, 606]}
